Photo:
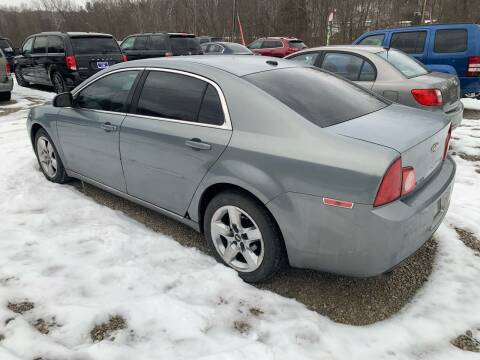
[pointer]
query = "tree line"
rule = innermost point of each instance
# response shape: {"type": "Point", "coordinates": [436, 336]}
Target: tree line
{"type": "Point", "coordinates": [306, 19]}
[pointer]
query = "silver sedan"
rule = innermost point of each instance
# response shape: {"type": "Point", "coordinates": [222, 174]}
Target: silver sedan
{"type": "Point", "coordinates": [392, 74]}
{"type": "Point", "coordinates": [274, 161]}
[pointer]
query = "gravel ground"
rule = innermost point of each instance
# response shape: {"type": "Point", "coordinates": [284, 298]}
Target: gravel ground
{"type": "Point", "coordinates": [342, 299]}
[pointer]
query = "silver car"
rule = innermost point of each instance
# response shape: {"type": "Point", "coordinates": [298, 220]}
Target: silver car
{"type": "Point", "coordinates": [6, 81]}
{"type": "Point", "coordinates": [274, 161]}
{"type": "Point", "coordinates": [392, 74]}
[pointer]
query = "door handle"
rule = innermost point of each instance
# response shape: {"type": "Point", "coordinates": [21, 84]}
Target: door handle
{"type": "Point", "coordinates": [198, 144]}
{"type": "Point", "coordinates": [108, 127]}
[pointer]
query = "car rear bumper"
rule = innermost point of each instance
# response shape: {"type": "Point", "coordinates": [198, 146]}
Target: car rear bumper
{"type": "Point", "coordinates": [6, 84]}
{"type": "Point", "coordinates": [362, 241]}
{"type": "Point", "coordinates": [455, 115]}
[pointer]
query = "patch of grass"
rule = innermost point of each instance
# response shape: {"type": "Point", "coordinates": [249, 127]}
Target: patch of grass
{"type": "Point", "coordinates": [105, 330]}
{"type": "Point", "coordinates": [21, 307]}
{"type": "Point", "coordinates": [467, 342]}
{"type": "Point", "coordinates": [44, 326]}
{"type": "Point", "coordinates": [242, 326]}
{"type": "Point", "coordinates": [469, 239]}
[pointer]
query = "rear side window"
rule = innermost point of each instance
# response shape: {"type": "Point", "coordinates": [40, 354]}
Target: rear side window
{"type": "Point", "coordinates": [110, 93]}
{"type": "Point", "coordinates": [184, 43]}
{"type": "Point", "coordinates": [269, 44]}
{"type": "Point", "coordinates": [403, 63]}
{"type": "Point", "coordinates": [412, 42]}
{"type": "Point", "coordinates": [171, 96]}
{"type": "Point", "coordinates": [94, 45]}
{"type": "Point", "coordinates": [349, 66]}
{"type": "Point", "coordinates": [40, 45]}
{"type": "Point", "coordinates": [450, 41]}
{"type": "Point", "coordinates": [158, 42]}
{"type": "Point", "coordinates": [376, 40]}
{"type": "Point", "coordinates": [211, 110]}
{"type": "Point", "coordinates": [297, 44]}
{"type": "Point", "coordinates": [314, 95]}
{"type": "Point", "coordinates": [55, 44]}
{"type": "Point", "coordinates": [308, 58]}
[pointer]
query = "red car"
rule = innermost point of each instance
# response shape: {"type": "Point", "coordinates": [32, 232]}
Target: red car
{"type": "Point", "coordinates": [276, 46]}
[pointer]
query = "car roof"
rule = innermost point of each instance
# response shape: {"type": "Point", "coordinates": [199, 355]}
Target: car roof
{"type": "Point", "coordinates": [354, 48]}
{"type": "Point", "coordinates": [423, 27]}
{"type": "Point", "coordinates": [278, 38]}
{"type": "Point", "coordinates": [163, 33]}
{"type": "Point", "coordinates": [236, 65]}
{"type": "Point", "coordinates": [74, 33]}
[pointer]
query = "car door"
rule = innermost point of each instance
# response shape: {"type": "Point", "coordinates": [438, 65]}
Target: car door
{"type": "Point", "coordinates": [180, 128]}
{"type": "Point", "coordinates": [350, 66]}
{"type": "Point", "coordinates": [24, 61]}
{"type": "Point", "coordinates": [56, 54]}
{"type": "Point", "coordinates": [40, 60]}
{"type": "Point", "coordinates": [411, 42]}
{"type": "Point", "coordinates": [89, 130]}
{"type": "Point", "coordinates": [272, 48]}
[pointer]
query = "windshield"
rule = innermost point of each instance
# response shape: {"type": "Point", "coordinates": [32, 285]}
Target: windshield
{"type": "Point", "coordinates": [403, 63]}
{"type": "Point", "coordinates": [320, 97]}
{"type": "Point", "coordinates": [184, 43]}
{"type": "Point", "coordinates": [5, 46]}
{"type": "Point", "coordinates": [94, 45]}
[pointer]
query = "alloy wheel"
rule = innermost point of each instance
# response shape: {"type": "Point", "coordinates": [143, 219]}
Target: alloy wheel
{"type": "Point", "coordinates": [47, 156]}
{"type": "Point", "coordinates": [237, 238]}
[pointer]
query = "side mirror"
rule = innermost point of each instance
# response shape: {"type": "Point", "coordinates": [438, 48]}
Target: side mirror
{"type": "Point", "coordinates": [63, 100]}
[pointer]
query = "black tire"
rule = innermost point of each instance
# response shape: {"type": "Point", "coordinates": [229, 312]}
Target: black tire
{"type": "Point", "coordinates": [20, 79]}
{"type": "Point", "coordinates": [274, 257]}
{"type": "Point", "coordinates": [5, 96]}
{"type": "Point", "coordinates": [60, 175]}
{"type": "Point", "coordinates": [59, 84]}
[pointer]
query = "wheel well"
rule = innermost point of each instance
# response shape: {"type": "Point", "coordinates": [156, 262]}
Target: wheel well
{"type": "Point", "coordinates": [33, 132]}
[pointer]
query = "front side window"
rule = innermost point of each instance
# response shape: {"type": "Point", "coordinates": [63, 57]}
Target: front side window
{"type": "Point", "coordinates": [257, 44]}
{"type": "Point", "coordinates": [450, 41]}
{"type": "Point", "coordinates": [375, 40]}
{"type": "Point", "coordinates": [55, 45]}
{"type": "Point", "coordinates": [403, 63]}
{"type": "Point", "coordinates": [308, 58]}
{"type": "Point", "coordinates": [27, 47]}
{"type": "Point", "coordinates": [110, 93]}
{"type": "Point", "coordinates": [127, 44]}
{"type": "Point", "coordinates": [141, 43]}
{"type": "Point", "coordinates": [348, 66]}
{"type": "Point", "coordinates": [412, 42]}
{"type": "Point", "coordinates": [40, 45]}
{"type": "Point", "coordinates": [271, 44]}
{"type": "Point", "coordinates": [179, 97]}
{"type": "Point", "coordinates": [94, 45]}
{"type": "Point", "coordinates": [314, 94]}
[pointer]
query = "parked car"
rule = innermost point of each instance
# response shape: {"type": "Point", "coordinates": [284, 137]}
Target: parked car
{"type": "Point", "coordinates": [391, 74]}
{"type": "Point", "coordinates": [8, 50]}
{"type": "Point", "coordinates": [64, 59]}
{"type": "Point", "coordinates": [207, 39]}
{"type": "Point", "coordinates": [272, 160]}
{"type": "Point", "coordinates": [225, 48]}
{"type": "Point", "coordinates": [276, 46]}
{"type": "Point", "coordinates": [160, 44]}
{"type": "Point", "coordinates": [6, 82]}
{"type": "Point", "coordinates": [450, 48]}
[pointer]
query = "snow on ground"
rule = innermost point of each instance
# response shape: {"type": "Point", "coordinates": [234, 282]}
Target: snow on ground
{"type": "Point", "coordinates": [80, 263]}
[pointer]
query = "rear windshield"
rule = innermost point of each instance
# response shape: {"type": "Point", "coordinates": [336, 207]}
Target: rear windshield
{"type": "Point", "coordinates": [94, 45]}
{"type": "Point", "coordinates": [297, 44]}
{"type": "Point", "coordinates": [5, 46]}
{"type": "Point", "coordinates": [403, 63]}
{"type": "Point", "coordinates": [321, 98]}
{"type": "Point", "coordinates": [239, 48]}
{"type": "Point", "coordinates": [184, 43]}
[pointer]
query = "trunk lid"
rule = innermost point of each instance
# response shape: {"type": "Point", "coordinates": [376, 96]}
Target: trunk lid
{"type": "Point", "coordinates": [419, 136]}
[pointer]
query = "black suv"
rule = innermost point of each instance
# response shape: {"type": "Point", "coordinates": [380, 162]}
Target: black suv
{"type": "Point", "coordinates": [159, 44]}
{"type": "Point", "coordinates": [64, 59]}
{"type": "Point", "coordinates": [8, 49]}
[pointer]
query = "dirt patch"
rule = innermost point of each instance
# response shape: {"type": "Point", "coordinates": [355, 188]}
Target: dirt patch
{"type": "Point", "coordinates": [477, 170]}
{"type": "Point", "coordinates": [471, 114]}
{"type": "Point", "coordinates": [8, 111]}
{"type": "Point", "coordinates": [241, 326]}
{"type": "Point", "coordinates": [469, 157]}
{"type": "Point", "coordinates": [467, 342]}
{"type": "Point", "coordinates": [342, 299]}
{"type": "Point", "coordinates": [44, 326]}
{"type": "Point", "coordinates": [469, 239]}
{"type": "Point", "coordinates": [105, 330]}
{"type": "Point", "coordinates": [255, 311]}
{"type": "Point", "coordinates": [21, 307]}
{"type": "Point", "coordinates": [2, 337]}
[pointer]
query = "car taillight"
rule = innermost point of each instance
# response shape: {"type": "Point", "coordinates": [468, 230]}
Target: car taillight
{"type": "Point", "coordinates": [124, 57]}
{"type": "Point", "coordinates": [447, 142]}
{"type": "Point", "coordinates": [428, 97]}
{"type": "Point", "coordinates": [396, 182]}
{"type": "Point", "coordinates": [168, 54]}
{"type": "Point", "coordinates": [8, 69]}
{"type": "Point", "coordinates": [473, 66]}
{"type": "Point", "coordinates": [71, 62]}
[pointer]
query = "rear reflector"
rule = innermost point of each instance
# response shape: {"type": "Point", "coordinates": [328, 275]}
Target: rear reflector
{"type": "Point", "coordinates": [8, 69]}
{"type": "Point", "coordinates": [473, 66]}
{"type": "Point", "coordinates": [409, 180]}
{"type": "Point", "coordinates": [447, 142]}
{"type": "Point", "coordinates": [428, 97]}
{"type": "Point", "coordinates": [124, 58]}
{"type": "Point", "coordinates": [71, 62]}
{"type": "Point", "coordinates": [391, 186]}
{"type": "Point", "coordinates": [339, 203]}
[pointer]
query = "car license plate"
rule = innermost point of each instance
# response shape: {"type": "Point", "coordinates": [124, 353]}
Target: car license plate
{"type": "Point", "coordinates": [102, 64]}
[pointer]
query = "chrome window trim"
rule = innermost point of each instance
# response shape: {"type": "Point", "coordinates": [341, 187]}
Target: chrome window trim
{"type": "Point", "coordinates": [227, 124]}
